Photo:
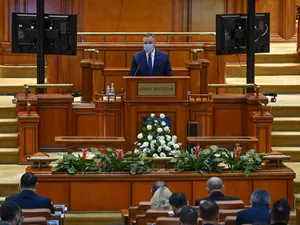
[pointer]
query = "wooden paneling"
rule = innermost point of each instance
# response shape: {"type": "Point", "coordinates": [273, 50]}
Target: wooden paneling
{"type": "Point", "coordinates": [84, 121]}
{"type": "Point", "coordinates": [241, 189]}
{"type": "Point", "coordinates": [106, 196]}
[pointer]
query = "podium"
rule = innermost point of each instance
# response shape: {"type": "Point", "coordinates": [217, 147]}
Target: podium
{"type": "Point", "coordinates": [155, 94]}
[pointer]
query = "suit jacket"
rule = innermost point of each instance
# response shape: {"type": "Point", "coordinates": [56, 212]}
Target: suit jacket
{"type": "Point", "coordinates": [253, 215]}
{"type": "Point", "coordinates": [161, 66]}
{"type": "Point", "coordinates": [28, 199]}
{"type": "Point", "coordinates": [216, 196]}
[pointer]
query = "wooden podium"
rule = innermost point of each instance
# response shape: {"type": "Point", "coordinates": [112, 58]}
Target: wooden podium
{"type": "Point", "coordinates": [159, 94]}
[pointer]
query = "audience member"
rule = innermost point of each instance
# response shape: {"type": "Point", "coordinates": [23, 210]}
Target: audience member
{"type": "Point", "coordinates": [215, 190]}
{"type": "Point", "coordinates": [11, 214]}
{"type": "Point", "coordinates": [156, 185]}
{"type": "Point", "coordinates": [178, 201]}
{"type": "Point", "coordinates": [280, 214]}
{"type": "Point", "coordinates": [188, 216]}
{"type": "Point", "coordinates": [209, 212]}
{"type": "Point", "coordinates": [160, 199]}
{"type": "Point", "coordinates": [27, 198]}
{"type": "Point", "coordinates": [259, 211]}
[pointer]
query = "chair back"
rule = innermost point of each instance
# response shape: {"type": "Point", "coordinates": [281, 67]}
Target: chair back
{"type": "Point", "coordinates": [133, 211]}
{"type": "Point", "coordinates": [223, 213]}
{"type": "Point", "coordinates": [144, 205]}
{"type": "Point", "coordinates": [151, 216]}
{"type": "Point", "coordinates": [230, 204]}
{"type": "Point", "coordinates": [230, 220]}
{"type": "Point", "coordinates": [34, 221]}
{"type": "Point", "coordinates": [172, 221]}
{"type": "Point", "coordinates": [36, 213]}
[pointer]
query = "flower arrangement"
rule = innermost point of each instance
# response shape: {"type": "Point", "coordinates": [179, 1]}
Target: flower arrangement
{"type": "Point", "coordinates": [215, 159]}
{"type": "Point", "coordinates": [114, 160]}
{"type": "Point", "coordinates": [156, 140]}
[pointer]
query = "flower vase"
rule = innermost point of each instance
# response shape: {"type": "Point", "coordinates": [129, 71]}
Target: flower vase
{"type": "Point", "coordinates": [160, 163]}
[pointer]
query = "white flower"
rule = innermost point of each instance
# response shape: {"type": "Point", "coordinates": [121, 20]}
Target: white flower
{"type": "Point", "coordinates": [160, 138]}
{"type": "Point", "coordinates": [176, 146]}
{"type": "Point", "coordinates": [149, 137]}
{"type": "Point", "coordinates": [159, 130]}
{"type": "Point", "coordinates": [149, 127]}
{"type": "Point", "coordinates": [166, 128]}
{"type": "Point", "coordinates": [162, 142]}
{"type": "Point", "coordinates": [159, 149]}
{"type": "Point", "coordinates": [162, 115]}
{"type": "Point", "coordinates": [162, 154]}
{"type": "Point", "coordinates": [168, 148]}
{"type": "Point", "coordinates": [174, 137]}
{"type": "Point", "coordinates": [155, 121]}
{"type": "Point", "coordinates": [171, 143]}
{"type": "Point", "coordinates": [144, 150]}
{"type": "Point", "coordinates": [145, 144]}
{"type": "Point", "coordinates": [139, 144]}
{"type": "Point", "coordinates": [155, 155]}
{"type": "Point", "coordinates": [140, 136]}
{"type": "Point", "coordinates": [136, 151]}
{"type": "Point", "coordinates": [152, 115]}
{"type": "Point", "coordinates": [168, 137]}
{"type": "Point", "coordinates": [163, 123]}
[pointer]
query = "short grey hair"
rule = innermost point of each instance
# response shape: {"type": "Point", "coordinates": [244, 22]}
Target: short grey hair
{"type": "Point", "coordinates": [260, 197]}
{"type": "Point", "coordinates": [149, 35]}
{"type": "Point", "coordinates": [214, 183]}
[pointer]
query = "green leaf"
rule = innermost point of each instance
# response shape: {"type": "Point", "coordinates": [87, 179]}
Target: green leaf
{"type": "Point", "coordinates": [71, 170]}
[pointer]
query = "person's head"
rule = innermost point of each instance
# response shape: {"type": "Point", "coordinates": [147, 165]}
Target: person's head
{"type": "Point", "coordinates": [188, 216]}
{"type": "Point", "coordinates": [178, 201]}
{"type": "Point", "coordinates": [214, 184]}
{"type": "Point", "coordinates": [149, 42]}
{"type": "Point", "coordinates": [280, 212]}
{"type": "Point", "coordinates": [10, 212]}
{"type": "Point", "coordinates": [28, 182]}
{"type": "Point", "coordinates": [209, 212]}
{"type": "Point", "coordinates": [156, 185]}
{"type": "Point", "coordinates": [260, 198]}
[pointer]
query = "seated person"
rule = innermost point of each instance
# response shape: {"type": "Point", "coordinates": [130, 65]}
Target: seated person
{"type": "Point", "coordinates": [188, 216]}
{"type": "Point", "coordinates": [177, 201]}
{"type": "Point", "coordinates": [11, 214]}
{"type": "Point", "coordinates": [157, 185]}
{"type": "Point", "coordinates": [215, 190]}
{"type": "Point", "coordinates": [27, 198]}
{"type": "Point", "coordinates": [259, 210]}
{"type": "Point", "coordinates": [151, 61]}
{"type": "Point", "coordinates": [209, 212]}
{"type": "Point", "coordinates": [280, 214]}
{"type": "Point", "coordinates": [160, 199]}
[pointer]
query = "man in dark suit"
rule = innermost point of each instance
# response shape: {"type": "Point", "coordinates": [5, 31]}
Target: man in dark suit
{"type": "Point", "coordinates": [280, 214]}
{"type": "Point", "coordinates": [259, 210]}
{"type": "Point", "coordinates": [178, 201]}
{"type": "Point", "coordinates": [188, 216]}
{"type": "Point", "coordinates": [27, 198]}
{"type": "Point", "coordinates": [215, 188]}
{"type": "Point", "coordinates": [151, 61]}
{"type": "Point", "coordinates": [11, 214]}
{"type": "Point", "coordinates": [209, 212]}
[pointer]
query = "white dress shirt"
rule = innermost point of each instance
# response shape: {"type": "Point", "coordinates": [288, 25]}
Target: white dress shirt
{"type": "Point", "coordinates": [152, 56]}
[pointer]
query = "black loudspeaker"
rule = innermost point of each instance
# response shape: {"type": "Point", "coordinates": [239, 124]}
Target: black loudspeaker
{"type": "Point", "coordinates": [192, 131]}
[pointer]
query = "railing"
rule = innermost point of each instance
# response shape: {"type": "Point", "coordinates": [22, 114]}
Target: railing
{"type": "Point", "coordinates": [35, 86]}
{"type": "Point", "coordinates": [126, 34]}
{"type": "Point", "coordinates": [244, 86]}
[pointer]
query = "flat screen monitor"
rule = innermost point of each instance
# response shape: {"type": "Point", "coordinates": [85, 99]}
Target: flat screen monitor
{"type": "Point", "coordinates": [60, 37]}
{"type": "Point", "coordinates": [231, 33]}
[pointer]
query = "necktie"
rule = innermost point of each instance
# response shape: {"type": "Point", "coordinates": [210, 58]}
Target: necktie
{"type": "Point", "coordinates": [150, 64]}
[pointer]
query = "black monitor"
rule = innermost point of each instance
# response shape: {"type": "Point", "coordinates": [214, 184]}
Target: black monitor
{"type": "Point", "coordinates": [231, 33]}
{"type": "Point", "coordinates": [60, 33]}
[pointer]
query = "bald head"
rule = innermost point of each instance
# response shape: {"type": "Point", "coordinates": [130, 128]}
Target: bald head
{"type": "Point", "coordinates": [214, 183]}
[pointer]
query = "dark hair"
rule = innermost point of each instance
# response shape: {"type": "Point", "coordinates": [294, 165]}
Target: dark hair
{"type": "Point", "coordinates": [28, 180]}
{"type": "Point", "coordinates": [149, 35]}
{"type": "Point", "coordinates": [260, 197]}
{"type": "Point", "coordinates": [209, 210]}
{"type": "Point", "coordinates": [188, 216]}
{"type": "Point", "coordinates": [178, 200]}
{"type": "Point", "coordinates": [9, 210]}
{"type": "Point", "coordinates": [156, 185]}
{"type": "Point", "coordinates": [281, 211]}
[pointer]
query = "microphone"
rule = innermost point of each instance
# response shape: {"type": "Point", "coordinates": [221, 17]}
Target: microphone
{"type": "Point", "coordinates": [136, 70]}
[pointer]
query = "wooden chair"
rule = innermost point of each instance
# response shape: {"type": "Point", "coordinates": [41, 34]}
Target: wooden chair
{"type": "Point", "coordinates": [172, 221]}
{"type": "Point", "coordinates": [230, 220]}
{"type": "Point", "coordinates": [223, 213]}
{"type": "Point", "coordinates": [231, 204]}
{"type": "Point", "coordinates": [133, 211]}
{"type": "Point", "coordinates": [151, 216]}
{"type": "Point", "coordinates": [36, 213]}
{"type": "Point", "coordinates": [34, 221]}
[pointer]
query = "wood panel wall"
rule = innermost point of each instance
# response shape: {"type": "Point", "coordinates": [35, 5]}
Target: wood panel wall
{"type": "Point", "coordinates": [132, 15]}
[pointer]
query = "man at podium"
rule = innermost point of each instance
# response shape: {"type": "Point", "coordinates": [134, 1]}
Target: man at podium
{"type": "Point", "coordinates": [151, 61]}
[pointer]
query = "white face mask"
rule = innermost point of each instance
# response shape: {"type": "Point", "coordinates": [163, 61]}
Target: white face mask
{"type": "Point", "coordinates": [148, 48]}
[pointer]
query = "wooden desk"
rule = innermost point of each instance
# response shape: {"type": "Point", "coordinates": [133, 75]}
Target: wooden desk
{"type": "Point", "coordinates": [115, 191]}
